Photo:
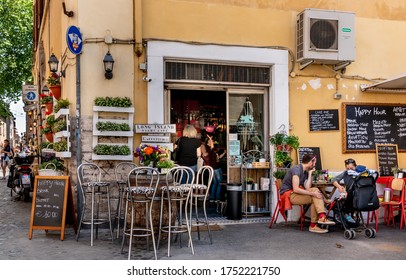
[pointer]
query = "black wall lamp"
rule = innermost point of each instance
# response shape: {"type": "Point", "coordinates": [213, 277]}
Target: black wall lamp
{"type": "Point", "coordinates": [45, 90]}
{"type": "Point", "coordinates": [53, 65]}
{"type": "Point", "coordinates": [108, 62]}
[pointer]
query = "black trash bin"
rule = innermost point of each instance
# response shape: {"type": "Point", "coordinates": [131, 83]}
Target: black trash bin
{"type": "Point", "coordinates": [234, 201]}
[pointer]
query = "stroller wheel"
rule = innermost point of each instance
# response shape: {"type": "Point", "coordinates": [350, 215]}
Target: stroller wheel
{"type": "Point", "coordinates": [349, 234]}
{"type": "Point", "coordinates": [370, 232]}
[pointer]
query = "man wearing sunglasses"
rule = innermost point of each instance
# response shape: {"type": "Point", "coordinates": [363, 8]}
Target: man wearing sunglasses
{"type": "Point", "coordinates": [297, 185]}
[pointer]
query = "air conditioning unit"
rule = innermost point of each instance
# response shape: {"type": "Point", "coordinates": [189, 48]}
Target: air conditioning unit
{"type": "Point", "coordinates": [325, 37]}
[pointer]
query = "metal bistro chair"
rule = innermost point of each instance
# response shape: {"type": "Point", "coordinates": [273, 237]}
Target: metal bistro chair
{"type": "Point", "coordinates": [177, 195]}
{"type": "Point", "coordinates": [121, 173]}
{"type": "Point", "coordinates": [142, 185]}
{"type": "Point", "coordinates": [90, 184]}
{"type": "Point", "coordinates": [200, 191]}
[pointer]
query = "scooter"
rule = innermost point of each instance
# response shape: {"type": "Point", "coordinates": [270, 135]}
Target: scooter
{"type": "Point", "coordinates": [21, 179]}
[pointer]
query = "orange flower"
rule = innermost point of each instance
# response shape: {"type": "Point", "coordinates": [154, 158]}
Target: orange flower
{"type": "Point", "coordinates": [148, 150]}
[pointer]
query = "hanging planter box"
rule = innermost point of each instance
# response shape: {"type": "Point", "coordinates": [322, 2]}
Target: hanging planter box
{"type": "Point", "coordinates": [63, 154]}
{"type": "Point", "coordinates": [113, 109]}
{"type": "Point", "coordinates": [62, 112]}
{"type": "Point", "coordinates": [113, 133]}
{"type": "Point", "coordinates": [111, 157]}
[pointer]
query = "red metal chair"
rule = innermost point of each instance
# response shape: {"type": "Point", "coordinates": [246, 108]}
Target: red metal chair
{"type": "Point", "coordinates": [397, 202]}
{"type": "Point", "coordinates": [282, 206]}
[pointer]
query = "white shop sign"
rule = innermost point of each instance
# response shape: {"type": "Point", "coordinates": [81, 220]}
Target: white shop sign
{"type": "Point", "coordinates": [163, 145]}
{"type": "Point", "coordinates": [155, 138]}
{"type": "Point", "coordinates": [155, 128]}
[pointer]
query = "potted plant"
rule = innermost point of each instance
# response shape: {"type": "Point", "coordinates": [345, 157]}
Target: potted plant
{"type": "Point", "coordinates": [52, 167]}
{"type": "Point", "coordinates": [62, 104]}
{"type": "Point", "coordinates": [54, 83]}
{"type": "Point", "coordinates": [279, 174]}
{"type": "Point", "coordinates": [47, 100]}
{"type": "Point", "coordinates": [282, 159]}
{"type": "Point", "coordinates": [150, 154]}
{"type": "Point", "coordinates": [59, 125]}
{"type": "Point", "coordinates": [111, 126]}
{"type": "Point", "coordinates": [278, 140]}
{"type": "Point", "coordinates": [164, 164]}
{"type": "Point", "coordinates": [248, 183]}
{"type": "Point", "coordinates": [113, 101]}
{"type": "Point", "coordinates": [50, 120]}
{"type": "Point", "coordinates": [61, 146]}
{"type": "Point", "coordinates": [118, 150]}
{"type": "Point", "coordinates": [47, 131]}
{"type": "Point", "coordinates": [396, 171]}
{"type": "Point", "coordinates": [292, 142]}
{"type": "Point", "coordinates": [284, 142]}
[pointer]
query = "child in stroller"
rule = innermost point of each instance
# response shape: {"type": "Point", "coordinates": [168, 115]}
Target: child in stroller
{"type": "Point", "coordinates": [360, 196]}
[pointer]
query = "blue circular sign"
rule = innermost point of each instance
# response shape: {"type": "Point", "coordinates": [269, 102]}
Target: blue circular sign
{"type": "Point", "coordinates": [74, 39]}
{"type": "Point", "coordinates": [31, 95]}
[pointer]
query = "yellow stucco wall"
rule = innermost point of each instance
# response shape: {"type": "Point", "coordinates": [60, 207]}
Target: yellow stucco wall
{"type": "Point", "coordinates": [379, 27]}
{"type": "Point", "coordinates": [379, 53]}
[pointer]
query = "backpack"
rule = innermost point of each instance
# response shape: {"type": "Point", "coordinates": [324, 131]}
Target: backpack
{"type": "Point", "coordinates": [365, 197]}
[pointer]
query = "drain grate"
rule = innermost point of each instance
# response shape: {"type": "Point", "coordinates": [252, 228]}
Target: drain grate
{"type": "Point", "coordinates": [225, 221]}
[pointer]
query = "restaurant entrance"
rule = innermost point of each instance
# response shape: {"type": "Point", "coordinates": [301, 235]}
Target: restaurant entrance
{"type": "Point", "coordinates": [202, 109]}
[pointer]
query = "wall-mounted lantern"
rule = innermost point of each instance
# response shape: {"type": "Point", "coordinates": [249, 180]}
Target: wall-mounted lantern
{"type": "Point", "coordinates": [108, 62]}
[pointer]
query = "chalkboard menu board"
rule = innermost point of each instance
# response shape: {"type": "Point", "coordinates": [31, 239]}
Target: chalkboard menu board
{"type": "Point", "coordinates": [301, 151]}
{"type": "Point", "coordinates": [387, 158]}
{"type": "Point", "coordinates": [368, 124]}
{"type": "Point", "coordinates": [49, 203]}
{"type": "Point", "coordinates": [320, 120]}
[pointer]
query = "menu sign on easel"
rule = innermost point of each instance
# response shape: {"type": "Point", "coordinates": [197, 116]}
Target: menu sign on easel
{"type": "Point", "coordinates": [387, 158]}
{"type": "Point", "coordinates": [49, 205]}
{"type": "Point", "coordinates": [321, 120]}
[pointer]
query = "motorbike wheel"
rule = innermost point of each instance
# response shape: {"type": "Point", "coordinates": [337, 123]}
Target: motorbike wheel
{"type": "Point", "coordinates": [26, 194]}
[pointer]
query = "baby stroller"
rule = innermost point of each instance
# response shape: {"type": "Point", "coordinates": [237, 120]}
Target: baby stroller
{"type": "Point", "coordinates": [361, 196]}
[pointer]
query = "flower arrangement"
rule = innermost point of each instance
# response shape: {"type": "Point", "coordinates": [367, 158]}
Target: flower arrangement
{"type": "Point", "coordinates": [46, 98]}
{"type": "Point", "coordinates": [148, 154]}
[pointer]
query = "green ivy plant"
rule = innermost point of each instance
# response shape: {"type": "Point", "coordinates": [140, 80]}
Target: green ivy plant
{"type": "Point", "coordinates": [46, 145]}
{"type": "Point", "coordinates": [50, 120]}
{"type": "Point", "coordinates": [282, 159]}
{"type": "Point", "coordinates": [165, 163]}
{"type": "Point", "coordinates": [46, 129]}
{"type": "Point", "coordinates": [53, 80]}
{"type": "Point", "coordinates": [61, 146]}
{"type": "Point", "coordinates": [113, 101]}
{"type": "Point", "coordinates": [118, 150]}
{"type": "Point", "coordinates": [58, 165]}
{"type": "Point", "coordinates": [110, 126]}
{"type": "Point", "coordinates": [279, 174]}
{"type": "Point", "coordinates": [61, 103]}
{"type": "Point", "coordinates": [59, 125]}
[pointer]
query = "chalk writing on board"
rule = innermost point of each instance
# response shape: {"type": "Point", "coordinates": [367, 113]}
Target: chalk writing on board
{"type": "Point", "coordinates": [49, 201]}
{"type": "Point", "coordinates": [368, 124]}
{"type": "Point", "coordinates": [320, 120]}
{"type": "Point", "coordinates": [387, 159]}
{"type": "Point", "coordinates": [310, 150]}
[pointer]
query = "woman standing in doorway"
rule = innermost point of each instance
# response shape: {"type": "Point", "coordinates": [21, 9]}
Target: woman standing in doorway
{"type": "Point", "coordinates": [211, 158]}
{"type": "Point", "coordinates": [188, 148]}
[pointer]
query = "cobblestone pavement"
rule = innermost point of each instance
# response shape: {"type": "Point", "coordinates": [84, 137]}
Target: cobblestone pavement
{"type": "Point", "coordinates": [244, 241]}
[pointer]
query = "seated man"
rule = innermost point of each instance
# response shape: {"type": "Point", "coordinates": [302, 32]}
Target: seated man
{"type": "Point", "coordinates": [298, 184]}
